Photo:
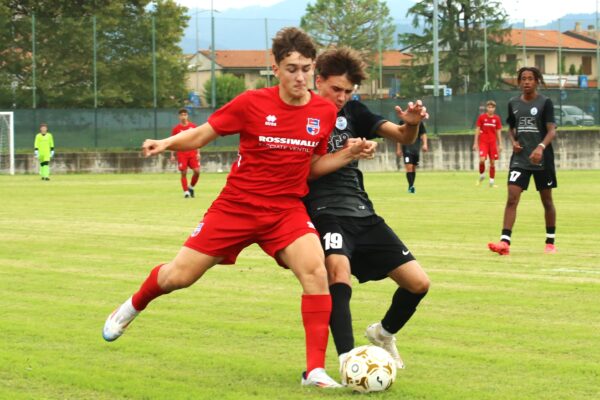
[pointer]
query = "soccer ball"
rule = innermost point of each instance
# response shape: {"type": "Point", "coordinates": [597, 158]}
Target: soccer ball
{"type": "Point", "coordinates": [368, 369]}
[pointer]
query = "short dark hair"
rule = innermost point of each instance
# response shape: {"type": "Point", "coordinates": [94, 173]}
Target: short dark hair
{"type": "Point", "coordinates": [43, 124]}
{"type": "Point", "coordinates": [536, 74]}
{"type": "Point", "coordinates": [342, 61]}
{"type": "Point", "coordinates": [291, 39]}
{"type": "Point", "coordinates": [183, 111]}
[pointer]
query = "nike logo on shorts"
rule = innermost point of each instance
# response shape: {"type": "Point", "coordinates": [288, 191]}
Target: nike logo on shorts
{"type": "Point", "coordinates": [405, 253]}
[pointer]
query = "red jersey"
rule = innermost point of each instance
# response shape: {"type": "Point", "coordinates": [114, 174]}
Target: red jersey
{"type": "Point", "coordinates": [488, 126]}
{"type": "Point", "coordinates": [180, 128]}
{"type": "Point", "coordinates": [277, 142]}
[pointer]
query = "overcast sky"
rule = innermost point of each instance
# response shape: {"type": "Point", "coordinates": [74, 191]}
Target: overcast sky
{"type": "Point", "coordinates": [536, 12]}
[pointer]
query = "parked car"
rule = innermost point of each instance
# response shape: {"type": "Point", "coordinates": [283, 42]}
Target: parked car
{"type": "Point", "coordinates": [571, 116]}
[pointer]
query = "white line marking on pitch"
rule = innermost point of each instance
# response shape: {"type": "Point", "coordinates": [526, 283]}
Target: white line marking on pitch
{"type": "Point", "coordinates": [581, 271]}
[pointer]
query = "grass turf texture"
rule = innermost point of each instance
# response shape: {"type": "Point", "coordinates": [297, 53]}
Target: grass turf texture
{"type": "Point", "coordinates": [518, 327]}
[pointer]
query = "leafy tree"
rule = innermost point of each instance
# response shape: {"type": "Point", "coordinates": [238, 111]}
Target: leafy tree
{"type": "Point", "coordinates": [64, 65]}
{"type": "Point", "coordinates": [461, 44]}
{"type": "Point", "coordinates": [359, 24]}
{"type": "Point", "coordinates": [572, 69]}
{"type": "Point", "coordinates": [227, 87]}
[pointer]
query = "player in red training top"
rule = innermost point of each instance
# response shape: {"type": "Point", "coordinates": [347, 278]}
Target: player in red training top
{"type": "Point", "coordinates": [488, 141]}
{"type": "Point", "coordinates": [284, 131]}
{"type": "Point", "coordinates": [186, 159]}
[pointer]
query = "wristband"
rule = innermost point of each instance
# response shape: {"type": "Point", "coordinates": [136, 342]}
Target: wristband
{"type": "Point", "coordinates": [542, 145]}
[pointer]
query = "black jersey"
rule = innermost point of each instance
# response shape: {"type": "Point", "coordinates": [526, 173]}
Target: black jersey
{"type": "Point", "coordinates": [414, 148]}
{"type": "Point", "coordinates": [342, 192]}
{"type": "Point", "coordinates": [530, 119]}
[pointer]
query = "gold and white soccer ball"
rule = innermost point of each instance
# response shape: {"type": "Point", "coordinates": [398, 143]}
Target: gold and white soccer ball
{"type": "Point", "coordinates": [368, 369]}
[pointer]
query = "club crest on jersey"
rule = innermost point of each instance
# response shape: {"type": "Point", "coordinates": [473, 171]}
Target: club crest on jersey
{"type": "Point", "coordinates": [341, 123]}
{"type": "Point", "coordinates": [312, 126]}
{"type": "Point", "coordinates": [533, 110]}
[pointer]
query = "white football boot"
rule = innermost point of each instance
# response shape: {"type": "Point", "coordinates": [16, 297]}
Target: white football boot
{"type": "Point", "coordinates": [318, 377]}
{"type": "Point", "coordinates": [116, 322]}
{"type": "Point", "coordinates": [386, 342]}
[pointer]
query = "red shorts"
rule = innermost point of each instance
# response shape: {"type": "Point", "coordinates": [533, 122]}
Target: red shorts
{"type": "Point", "coordinates": [488, 149]}
{"type": "Point", "coordinates": [227, 228]}
{"type": "Point", "coordinates": [185, 161]}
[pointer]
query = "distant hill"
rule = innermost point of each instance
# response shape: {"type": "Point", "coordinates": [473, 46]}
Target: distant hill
{"type": "Point", "coordinates": [244, 28]}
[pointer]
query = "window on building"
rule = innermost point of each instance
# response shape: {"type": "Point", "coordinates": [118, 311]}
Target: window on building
{"type": "Point", "coordinates": [586, 65]}
{"type": "Point", "coordinates": [511, 58]}
{"type": "Point", "coordinates": [540, 62]}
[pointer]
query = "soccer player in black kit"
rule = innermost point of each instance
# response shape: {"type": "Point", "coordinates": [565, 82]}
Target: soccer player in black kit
{"type": "Point", "coordinates": [532, 129]}
{"type": "Point", "coordinates": [356, 240]}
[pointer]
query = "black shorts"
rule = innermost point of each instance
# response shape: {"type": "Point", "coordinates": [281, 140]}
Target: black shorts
{"type": "Point", "coordinates": [372, 247]}
{"type": "Point", "coordinates": [544, 179]}
{"type": "Point", "coordinates": [411, 158]}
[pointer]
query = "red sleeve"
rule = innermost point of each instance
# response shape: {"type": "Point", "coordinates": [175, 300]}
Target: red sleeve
{"type": "Point", "coordinates": [173, 131]}
{"type": "Point", "coordinates": [498, 122]}
{"type": "Point", "coordinates": [479, 120]}
{"type": "Point", "coordinates": [230, 118]}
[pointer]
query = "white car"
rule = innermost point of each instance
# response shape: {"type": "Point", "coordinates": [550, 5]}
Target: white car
{"type": "Point", "coordinates": [571, 116]}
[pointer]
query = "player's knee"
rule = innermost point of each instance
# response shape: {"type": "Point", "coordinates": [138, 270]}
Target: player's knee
{"type": "Point", "coordinates": [338, 275]}
{"type": "Point", "coordinates": [175, 277]}
{"type": "Point", "coordinates": [420, 285]}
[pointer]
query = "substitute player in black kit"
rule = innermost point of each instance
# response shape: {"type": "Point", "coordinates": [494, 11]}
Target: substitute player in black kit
{"type": "Point", "coordinates": [532, 129]}
{"type": "Point", "coordinates": [356, 240]}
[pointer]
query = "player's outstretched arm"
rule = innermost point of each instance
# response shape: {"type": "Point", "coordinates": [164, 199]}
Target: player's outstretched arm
{"type": "Point", "coordinates": [407, 132]}
{"type": "Point", "coordinates": [355, 149]}
{"type": "Point", "coordinates": [188, 140]}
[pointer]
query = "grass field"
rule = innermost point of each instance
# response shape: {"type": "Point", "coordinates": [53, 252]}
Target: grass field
{"type": "Point", "coordinates": [526, 326]}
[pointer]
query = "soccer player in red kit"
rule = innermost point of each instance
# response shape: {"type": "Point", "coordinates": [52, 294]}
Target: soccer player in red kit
{"type": "Point", "coordinates": [186, 159]}
{"type": "Point", "coordinates": [488, 141]}
{"type": "Point", "coordinates": [284, 131]}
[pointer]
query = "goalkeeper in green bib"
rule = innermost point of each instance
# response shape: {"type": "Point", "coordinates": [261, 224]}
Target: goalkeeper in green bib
{"type": "Point", "coordinates": [44, 151]}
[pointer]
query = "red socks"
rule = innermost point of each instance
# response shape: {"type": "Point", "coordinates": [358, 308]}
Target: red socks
{"type": "Point", "coordinates": [316, 311]}
{"type": "Point", "coordinates": [492, 172]}
{"type": "Point", "coordinates": [195, 178]}
{"type": "Point", "coordinates": [148, 291]}
{"type": "Point", "coordinates": [184, 184]}
{"type": "Point", "coordinates": [481, 167]}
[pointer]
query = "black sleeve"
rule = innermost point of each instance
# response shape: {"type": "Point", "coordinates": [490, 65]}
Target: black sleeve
{"type": "Point", "coordinates": [422, 128]}
{"type": "Point", "coordinates": [549, 111]}
{"type": "Point", "coordinates": [510, 120]}
{"type": "Point", "coordinates": [364, 120]}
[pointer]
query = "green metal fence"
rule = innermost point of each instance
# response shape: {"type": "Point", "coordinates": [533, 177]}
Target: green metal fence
{"type": "Point", "coordinates": [80, 129]}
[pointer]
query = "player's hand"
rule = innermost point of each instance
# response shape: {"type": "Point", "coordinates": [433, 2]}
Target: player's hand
{"type": "Point", "coordinates": [152, 147]}
{"type": "Point", "coordinates": [414, 113]}
{"type": "Point", "coordinates": [52, 154]}
{"type": "Point", "coordinates": [36, 154]}
{"type": "Point", "coordinates": [360, 148]}
{"type": "Point", "coordinates": [475, 147]}
{"type": "Point", "coordinates": [499, 150]}
{"type": "Point", "coordinates": [369, 150]}
{"type": "Point", "coordinates": [425, 148]}
{"type": "Point", "coordinates": [517, 147]}
{"type": "Point", "coordinates": [536, 156]}
{"type": "Point", "coordinates": [172, 158]}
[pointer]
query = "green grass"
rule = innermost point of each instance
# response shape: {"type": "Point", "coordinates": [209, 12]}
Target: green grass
{"type": "Point", "coordinates": [519, 327]}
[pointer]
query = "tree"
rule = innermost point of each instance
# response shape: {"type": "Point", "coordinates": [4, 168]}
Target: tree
{"type": "Point", "coordinates": [364, 25]}
{"type": "Point", "coordinates": [64, 50]}
{"type": "Point", "coordinates": [227, 87]}
{"type": "Point", "coordinates": [461, 44]}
